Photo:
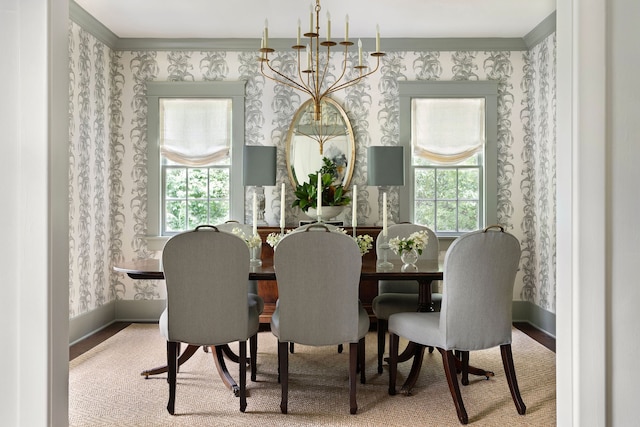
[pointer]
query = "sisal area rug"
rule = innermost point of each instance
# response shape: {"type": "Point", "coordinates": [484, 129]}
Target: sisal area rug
{"type": "Point", "coordinates": [106, 389]}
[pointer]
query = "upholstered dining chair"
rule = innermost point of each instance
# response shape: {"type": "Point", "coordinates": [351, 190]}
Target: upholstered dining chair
{"type": "Point", "coordinates": [254, 298]}
{"type": "Point", "coordinates": [397, 296]}
{"type": "Point", "coordinates": [479, 272]}
{"type": "Point", "coordinates": [318, 274]}
{"type": "Point", "coordinates": [207, 300]}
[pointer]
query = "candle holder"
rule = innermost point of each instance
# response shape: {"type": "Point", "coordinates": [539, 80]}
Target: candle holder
{"type": "Point", "coordinates": [384, 264]}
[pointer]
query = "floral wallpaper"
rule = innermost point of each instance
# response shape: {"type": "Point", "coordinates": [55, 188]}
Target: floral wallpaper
{"type": "Point", "coordinates": [108, 146]}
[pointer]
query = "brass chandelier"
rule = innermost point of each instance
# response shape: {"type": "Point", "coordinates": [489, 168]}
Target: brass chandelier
{"type": "Point", "coordinates": [311, 78]}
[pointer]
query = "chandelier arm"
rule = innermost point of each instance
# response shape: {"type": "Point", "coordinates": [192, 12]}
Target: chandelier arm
{"type": "Point", "coordinates": [330, 89]}
{"type": "Point", "coordinates": [285, 80]}
{"type": "Point", "coordinates": [356, 80]}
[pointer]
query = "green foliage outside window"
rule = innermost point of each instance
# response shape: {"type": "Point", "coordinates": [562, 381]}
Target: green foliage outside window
{"type": "Point", "coordinates": [195, 196]}
{"type": "Point", "coordinates": [447, 199]}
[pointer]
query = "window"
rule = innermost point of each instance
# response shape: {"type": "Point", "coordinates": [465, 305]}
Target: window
{"type": "Point", "coordinates": [449, 130]}
{"type": "Point", "coordinates": [195, 138]}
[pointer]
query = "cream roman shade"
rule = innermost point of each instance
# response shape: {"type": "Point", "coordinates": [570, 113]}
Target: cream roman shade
{"type": "Point", "coordinates": [447, 130]}
{"type": "Point", "coordinates": [195, 132]}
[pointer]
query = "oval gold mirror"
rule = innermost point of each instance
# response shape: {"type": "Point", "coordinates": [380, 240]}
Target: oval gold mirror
{"type": "Point", "coordinates": [310, 140]}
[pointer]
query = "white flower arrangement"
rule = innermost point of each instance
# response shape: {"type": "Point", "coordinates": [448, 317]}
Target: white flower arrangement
{"type": "Point", "coordinates": [365, 243]}
{"type": "Point", "coordinates": [417, 241]}
{"type": "Point", "coordinates": [252, 242]}
{"type": "Point", "coordinates": [274, 238]}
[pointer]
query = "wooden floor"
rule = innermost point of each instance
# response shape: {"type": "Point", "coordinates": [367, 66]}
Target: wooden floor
{"type": "Point", "coordinates": [95, 339]}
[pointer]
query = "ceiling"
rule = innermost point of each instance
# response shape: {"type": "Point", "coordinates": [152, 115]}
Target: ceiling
{"type": "Point", "coordinates": [245, 18]}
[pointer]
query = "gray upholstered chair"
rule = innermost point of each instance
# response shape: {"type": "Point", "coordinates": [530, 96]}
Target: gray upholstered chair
{"type": "Point", "coordinates": [479, 273]}
{"type": "Point", "coordinates": [254, 298]}
{"type": "Point", "coordinates": [397, 296]}
{"type": "Point", "coordinates": [318, 274]}
{"type": "Point", "coordinates": [207, 300]}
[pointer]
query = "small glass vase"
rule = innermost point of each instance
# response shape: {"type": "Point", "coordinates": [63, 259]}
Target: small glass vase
{"type": "Point", "coordinates": [255, 257]}
{"type": "Point", "coordinates": [409, 259]}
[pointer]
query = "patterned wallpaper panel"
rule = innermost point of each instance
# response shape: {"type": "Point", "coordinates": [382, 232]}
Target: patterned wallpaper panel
{"type": "Point", "coordinates": [108, 145]}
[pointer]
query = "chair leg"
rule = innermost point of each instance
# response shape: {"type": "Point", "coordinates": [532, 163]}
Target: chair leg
{"type": "Point", "coordinates": [243, 374]}
{"type": "Point", "coordinates": [510, 371]}
{"type": "Point", "coordinates": [353, 362]}
{"type": "Point", "coordinates": [449, 362]}
{"type": "Point", "coordinates": [172, 367]}
{"type": "Point", "coordinates": [393, 362]}
{"type": "Point", "coordinates": [464, 359]}
{"type": "Point", "coordinates": [361, 358]}
{"type": "Point", "coordinates": [382, 332]}
{"type": "Point", "coordinates": [284, 375]}
{"type": "Point", "coordinates": [253, 356]}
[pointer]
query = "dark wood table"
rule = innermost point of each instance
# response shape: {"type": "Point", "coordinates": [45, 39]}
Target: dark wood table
{"type": "Point", "coordinates": [426, 272]}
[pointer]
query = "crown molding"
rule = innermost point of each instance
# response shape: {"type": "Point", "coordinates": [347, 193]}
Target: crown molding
{"type": "Point", "coordinates": [541, 31]}
{"type": "Point", "coordinates": [85, 20]}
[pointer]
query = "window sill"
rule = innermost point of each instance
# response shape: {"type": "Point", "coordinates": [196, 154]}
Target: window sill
{"type": "Point", "coordinates": [156, 243]}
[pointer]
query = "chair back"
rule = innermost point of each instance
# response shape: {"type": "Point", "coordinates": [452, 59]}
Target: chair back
{"type": "Point", "coordinates": [431, 252]}
{"type": "Point", "coordinates": [318, 274]}
{"type": "Point", "coordinates": [206, 274]}
{"type": "Point", "coordinates": [479, 273]}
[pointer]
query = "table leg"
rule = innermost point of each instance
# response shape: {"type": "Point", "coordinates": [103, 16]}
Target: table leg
{"type": "Point", "coordinates": [218, 358]}
{"type": "Point", "coordinates": [186, 355]}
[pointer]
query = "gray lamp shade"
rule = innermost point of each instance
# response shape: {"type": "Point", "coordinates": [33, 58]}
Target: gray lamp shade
{"type": "Point", "coordinates": [259, 165]}
{"type": "Point", "coordinates": [385, 165]}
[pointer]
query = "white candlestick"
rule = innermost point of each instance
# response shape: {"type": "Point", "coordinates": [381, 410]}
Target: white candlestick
{"type": "Point", "coordinates": [359, 52]}
{"type": "Point", "coordinates": [298, 42]}
{"type": "Point", "coordinates": [319, 196]}
{"type": "Point", "coordinates": [384, 214]}
{"type": "Point", "coordinates": [310, 19]}
{"type": "Point", "coordinates": [255, 213]}
{"type": "Point", "coordinates": [377, 38]}
{"type": "Point", "coordinates": [282, 207]}
{"type": "Point", "coordinates": [354, 214]}
{"type": "Point", "coordinates": [328, 26]}
{"type": "Point", "coordinates": [266, 33]}
{"type": "Point", "coordinates": [346, 29]}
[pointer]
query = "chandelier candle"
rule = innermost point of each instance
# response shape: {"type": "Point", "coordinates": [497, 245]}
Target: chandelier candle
{"type": "Point", "coordinates": [282, 209]}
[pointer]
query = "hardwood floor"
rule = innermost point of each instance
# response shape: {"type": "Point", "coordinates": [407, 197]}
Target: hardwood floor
{"type": "Point", "coordinates": [95, 339]}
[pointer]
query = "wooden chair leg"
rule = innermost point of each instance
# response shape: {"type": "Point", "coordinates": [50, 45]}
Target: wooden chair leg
{"type": "Point", "coordinates": [172, 368]}
{"type": "Point", "coordinates": [510, 372]}
{"type": "Point", "coordinates": [449, 362]}
{"type": "Point", "coordinates": [284, 375]}
{"type": "Point", "coordinates": [361, 358]}
{"type": "Point", "coordinates": [253, 356]}
{"type": "Point", "coordinates": [393, 362]}
{"type": "Point", "coordinates": [382, 332]}
{"type": "Point", "coordinates": [242, 361]}
{"type": "Point", "coordinates": [464, 360]}
{"type": "Point", "coordinates": [353, 362]}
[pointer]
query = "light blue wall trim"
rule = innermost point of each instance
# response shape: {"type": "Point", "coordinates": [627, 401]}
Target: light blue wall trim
{"type": "Point", "coordinates": [88, 323]}
{"type": "Point", "coordinates": [139, 310]}
{"type": "Point", "coordinates": [526, 311]}
{"type": "Point", "coordinates": [92, 25]}
{"type": "Point", "coordinates": [368, 44]}
{"type": "Point", "coordinates": [541, 31]}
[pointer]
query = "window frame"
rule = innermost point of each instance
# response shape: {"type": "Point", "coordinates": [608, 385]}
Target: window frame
{"type": "Point", "coordinates": [157, 90]}
{"type": "Point", "coordinates": [488, 90]}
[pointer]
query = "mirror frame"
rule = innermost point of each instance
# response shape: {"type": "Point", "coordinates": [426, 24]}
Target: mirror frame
{"type": "Point", "coordinates": [349, 132]}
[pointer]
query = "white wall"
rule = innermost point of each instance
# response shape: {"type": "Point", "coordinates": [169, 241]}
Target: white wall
{"type": "Point", "coordinates": [33, 258]}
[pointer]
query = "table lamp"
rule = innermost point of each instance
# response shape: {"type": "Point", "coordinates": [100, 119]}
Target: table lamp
{"type": "Point", "coordinates": [385, 168]}
{"type": "Point", "coordinates": [259, 169]}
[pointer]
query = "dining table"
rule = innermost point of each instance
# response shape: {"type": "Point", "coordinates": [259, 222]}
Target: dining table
{"type": "Point", "coordinates": [424, 272]}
